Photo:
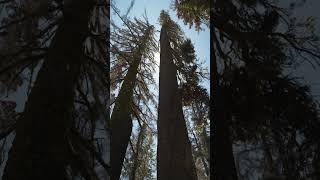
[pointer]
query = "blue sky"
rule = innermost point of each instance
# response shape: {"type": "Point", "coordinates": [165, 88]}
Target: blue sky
{"type": "Point", "coordinates": [200, 39]}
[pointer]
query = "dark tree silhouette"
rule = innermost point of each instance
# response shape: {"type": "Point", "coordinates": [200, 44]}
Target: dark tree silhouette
{"type": "Point", "coordinates": [39, 149]}
{"type": "Point", "coordinates": [48, 144]}
{"type": "Point", "coordinates": [132, 49]}
{"type": "Point", "coordinates": [174, 156]}
{"type": "Point", "coordinates": [257, 39]}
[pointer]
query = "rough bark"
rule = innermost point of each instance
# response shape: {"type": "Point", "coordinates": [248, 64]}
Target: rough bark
{"type": "Point", "coordinates": [222, 164]}
{"type": "Point", "coordinates": [174, 157]}
{"type": "Point", "coordinates": [39, 148]}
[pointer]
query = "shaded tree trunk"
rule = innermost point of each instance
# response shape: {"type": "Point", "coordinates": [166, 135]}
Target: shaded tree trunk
{"type": "Point", "coordinates": [174, 157]}
{"type": "Point", "coordinates": [222, 165]}
{"type": "Point", "coordinates": [121, 121]}
{"type": "Point", "coordinates": [39, 150]}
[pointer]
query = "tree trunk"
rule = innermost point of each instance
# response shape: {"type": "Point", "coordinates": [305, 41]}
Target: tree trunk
{"type": "Point", "coordinates": [174, 157]}
{"type": "Point", "coordinates": [39, 148]}
{"type": "Point", "coordinates": [206, 142]}
{"type": "Point", "coordinates": [203, 153]}
{"type": "Point", "coordinates": [121, 121]}
{"type": "Point", "coordinates": [223, 160]}
{"type": "Point", "coordinates": [136, 155]}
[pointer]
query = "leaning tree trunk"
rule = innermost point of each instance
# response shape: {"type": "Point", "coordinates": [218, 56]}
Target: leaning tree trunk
{"type": "Point", "coordinates": [222, 165]}
{"type": "Point", "coordinates": [40, 145]}
{"type": "Point", "coordinates": [136, 154]}
{"type": "Point", "coordinates": [121, 121]}
{"type": "Point", "coordinates": [174, 157]}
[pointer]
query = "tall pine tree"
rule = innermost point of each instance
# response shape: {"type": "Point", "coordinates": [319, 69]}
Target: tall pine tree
{"type": "Point", "coordinates": [174, 156]}
{"type": "Point", "coordinates": [132, 49]}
